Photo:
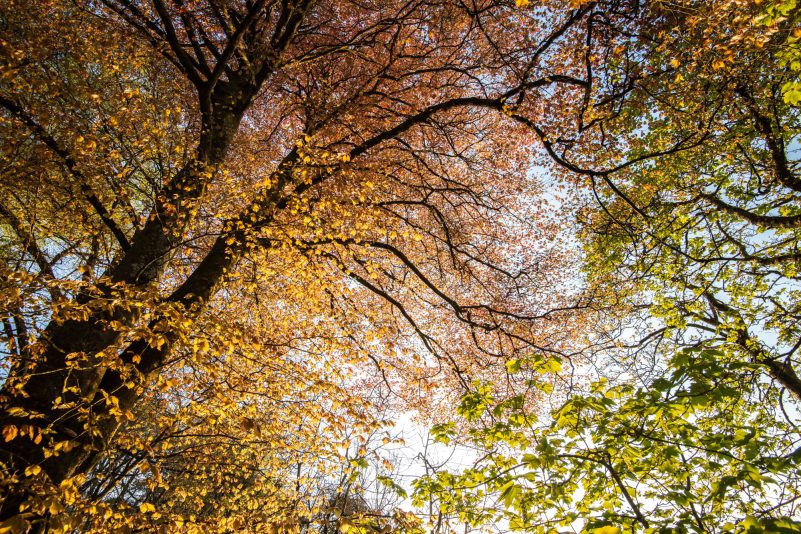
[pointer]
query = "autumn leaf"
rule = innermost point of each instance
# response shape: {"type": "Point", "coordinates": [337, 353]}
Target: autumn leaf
{"type": "Point", "coordinates": [10, 432]}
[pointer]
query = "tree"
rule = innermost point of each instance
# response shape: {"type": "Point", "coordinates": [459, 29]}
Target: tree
{"type": "Point", "coordinates": [710, 231]}
{"type": "Point", "coordinates": [193, 189]}
{"type": "Point", "coordinates": [691, 230]}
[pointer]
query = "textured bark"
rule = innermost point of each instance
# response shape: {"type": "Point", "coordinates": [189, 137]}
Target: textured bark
{"type": "Point", "coordinates": [139, 267]}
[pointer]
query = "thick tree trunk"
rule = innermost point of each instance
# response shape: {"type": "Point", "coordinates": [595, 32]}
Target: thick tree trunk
{"type": "Point", "coordinates": [37, 399]}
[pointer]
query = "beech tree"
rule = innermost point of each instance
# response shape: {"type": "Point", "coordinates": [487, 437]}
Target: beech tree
{"type": "Point", "coordinates": [230, 221]}
{"type": "Point", "coordinates": [691, 424]}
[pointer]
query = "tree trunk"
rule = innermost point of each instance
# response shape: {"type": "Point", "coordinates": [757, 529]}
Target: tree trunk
{"type": "Point", "coordinates": [36, 399]}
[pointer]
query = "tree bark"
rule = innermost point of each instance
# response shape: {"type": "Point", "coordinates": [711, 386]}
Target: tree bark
{"type": "Point", "coordinates": [34, 400]}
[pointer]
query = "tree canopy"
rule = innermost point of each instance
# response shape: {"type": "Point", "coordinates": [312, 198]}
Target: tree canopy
{"type": "Point", "coordinates": [690, 424]}
{"type": "Point", "coordinates": [239, 238]}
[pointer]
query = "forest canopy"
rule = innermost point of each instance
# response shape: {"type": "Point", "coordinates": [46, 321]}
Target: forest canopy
{"type": "Point", "coordinates": [242, 239]}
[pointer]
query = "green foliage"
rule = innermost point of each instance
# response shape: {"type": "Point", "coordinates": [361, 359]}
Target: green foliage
{"type": "Point", "coordinates": [786, 13]}
{"type": "Point", "coordinates": [691, 452]}
{"type": "Point", "coordinates": [692, 240]}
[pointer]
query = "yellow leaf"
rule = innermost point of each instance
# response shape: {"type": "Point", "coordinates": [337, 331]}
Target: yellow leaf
{"type": "Point", "coordinates": [10, 432]}
{"type": "Point", "coordinates": [55, 507]}
{"type": "Point", "coordinates": [32, 470]}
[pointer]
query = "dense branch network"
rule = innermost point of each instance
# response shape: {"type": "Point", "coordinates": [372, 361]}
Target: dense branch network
{"type": "Point", "coordinates": [356, 140]}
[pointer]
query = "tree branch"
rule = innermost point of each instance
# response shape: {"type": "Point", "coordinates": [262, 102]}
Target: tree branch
{"type": "Point", "coordinates": [72, 167]}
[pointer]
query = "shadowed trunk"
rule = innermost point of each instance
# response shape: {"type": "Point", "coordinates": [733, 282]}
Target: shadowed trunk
{"type": "Point", "coordinates": [58, 379]}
